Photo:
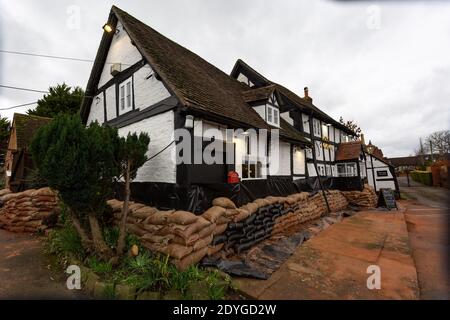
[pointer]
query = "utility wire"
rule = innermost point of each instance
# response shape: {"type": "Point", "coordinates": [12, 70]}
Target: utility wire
{"type": "Point", "coordinates": [55, 57]}
{"type": "Point", "coordinates": [22, 89]}
{"type": "Point", "coordinates": [45, 56]}
{"type": "Point", "coordinates": [18, 106]}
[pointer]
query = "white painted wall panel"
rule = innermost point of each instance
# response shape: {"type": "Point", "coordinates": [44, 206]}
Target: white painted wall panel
{"type": "Point", "coordinates": [280, 164]}
{"type": "Point", "coordinates": [261, 110]}
{"type": "Point", "coordinates": [97, 110]}
{"type": "Point", "coordinates": [305, 120]}
{"type": "Point", "coordinates": [299, 162]}
{"type": "Point", "coordinates": [149, 91]}
{"type": "Point", "coordinates": [120, 51]}
{"type": "Point", "coordinates": [287, 117]}
{"type": "Point", "coordinates": [111, 111]}
{"type": "Point", "coordinates": [311, 170]}
{"type": "Point", "coordinates": [162, 168]}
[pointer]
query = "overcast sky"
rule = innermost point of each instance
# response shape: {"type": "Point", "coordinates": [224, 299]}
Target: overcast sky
{"type": "Point", "coordinates": [384, 65]}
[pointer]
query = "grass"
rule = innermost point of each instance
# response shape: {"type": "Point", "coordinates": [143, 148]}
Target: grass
{"type": "Point", "coordinates": [145, 272]}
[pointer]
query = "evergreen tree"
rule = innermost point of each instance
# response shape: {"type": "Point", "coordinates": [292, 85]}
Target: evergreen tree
{"type": "Point", "coordinates": [60, 99]}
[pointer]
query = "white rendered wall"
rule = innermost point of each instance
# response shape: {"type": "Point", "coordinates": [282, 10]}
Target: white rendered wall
{"type": "Point", "coordinates": [160, 128]}
{"type": "Point", "coordinates": [111, 111]}
{"type": "Point", "coordinates": [149, 91]}
{"type": "Point", "coordinates": [120, 51]}
{"type": "Point", "coordinates": [97, 110]}
{"type": "Point", "coordinates": [299, 162]}
{"type": "Point", "coordinates": [287, 117]}
{"type": "Point", "coordinates": [280, 160]}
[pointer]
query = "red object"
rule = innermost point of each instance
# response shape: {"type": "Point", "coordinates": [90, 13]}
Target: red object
{"type": "Point", "coordinates": [233, 177]}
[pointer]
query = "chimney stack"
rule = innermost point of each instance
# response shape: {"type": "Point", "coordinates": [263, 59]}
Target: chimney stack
{"type": "Point", "coordinates": [362, 139]}
{"type": "Point", "coordinates": [307, 97]}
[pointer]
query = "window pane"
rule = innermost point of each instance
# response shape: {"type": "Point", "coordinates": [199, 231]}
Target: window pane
{"type": "Point", "coordinates": [122, 97]}
{"type": "Point", "coordinates": [258, 169]}
{"type": "Point", "coordinates": [128, 94]}
{"type": "Point", "coordinates": [269, 114]}
{"type": "Point", "coordinates": [244, 170]}
{"type": "Point", "coordinates": [252, 173]}
{"type": "Point", "coordinates": [275, 116]}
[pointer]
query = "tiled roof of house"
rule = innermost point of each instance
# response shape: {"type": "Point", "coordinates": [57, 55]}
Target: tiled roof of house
{"type": "Point", "coordinates": [348, 151]}
{"type": "Point", "coordinates": [197, 84]}
{"type": "Point", "coordinates": [257, 94]}
{"type": "Point", "coordinates": [270, 85]}
{"type": "Point", "coordinates": [26, 126]}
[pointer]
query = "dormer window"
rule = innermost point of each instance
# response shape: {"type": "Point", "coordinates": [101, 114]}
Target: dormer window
{"type": "Point", "coordinates": [273, 116]}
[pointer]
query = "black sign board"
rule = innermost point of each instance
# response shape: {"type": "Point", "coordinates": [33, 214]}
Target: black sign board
{"type": "Point", "coordinates": [386, 198]}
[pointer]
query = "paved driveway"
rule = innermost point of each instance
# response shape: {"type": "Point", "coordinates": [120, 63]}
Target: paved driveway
{"type": "Point", "coordinates": [25, 273]}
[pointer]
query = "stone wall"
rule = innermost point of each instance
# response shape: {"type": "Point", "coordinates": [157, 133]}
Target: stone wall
{"type": "Point", "coordinates": [28, 211]}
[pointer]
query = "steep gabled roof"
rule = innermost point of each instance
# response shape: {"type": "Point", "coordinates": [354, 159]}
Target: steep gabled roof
{"type": "Point", "coordinates": [195, 82]}
{"type": "Point", "coordinates": [294, 98]}
{"type": "Point", "coordinates": [258, 94]}
{"type": "Point", "coordinates": [26, 126]}
{"type": "Point", "coordinates": [348, 150]}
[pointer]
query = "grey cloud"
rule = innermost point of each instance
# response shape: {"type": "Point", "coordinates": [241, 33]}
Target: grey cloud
{"type": "Point", "coordinates": [391, 80]}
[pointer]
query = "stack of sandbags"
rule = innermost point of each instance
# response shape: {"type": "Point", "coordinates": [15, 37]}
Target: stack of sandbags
{"type": "Point", "coordinates": [182, 235]}
{"type": "Point", "coordinates": [29, 211]}
{"type": "Point", "coordinates": [366, 198]}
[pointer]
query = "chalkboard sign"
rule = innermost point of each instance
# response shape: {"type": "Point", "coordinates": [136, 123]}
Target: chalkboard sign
{"type": "Point", "coordinates": [386, 198]}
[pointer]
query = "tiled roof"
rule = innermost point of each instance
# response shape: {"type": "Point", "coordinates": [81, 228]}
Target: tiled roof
{"type": "Point", "coordinates": [262, 93]}
{"type": "Point", "coordinates": [348, 150]}
{"type": "Point", "coordinates": [26, 126]}
{"type": "Point", "coordinates": [288, 94]}
{"type": "Point", "coordinates": [197, 83]}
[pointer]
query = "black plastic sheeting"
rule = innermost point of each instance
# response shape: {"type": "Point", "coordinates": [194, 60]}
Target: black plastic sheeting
{"type": "Point", "coordinates": [261, 261]}
{"type": "Point", "coordinates": [198, 197]}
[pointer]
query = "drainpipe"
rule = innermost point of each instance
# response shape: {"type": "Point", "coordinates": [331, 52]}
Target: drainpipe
{"type": "Point", "coordinates": [311, 131]}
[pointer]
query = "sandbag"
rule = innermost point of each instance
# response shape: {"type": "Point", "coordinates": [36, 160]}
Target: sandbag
{"type": "Point", "coordinates": [214, 213]}
{"type": "Point", "coordinates": [206, 231]}
{"type": "Point", "coordinates": [220, 228]}
{"type": "Point", "coordinates": [214, 249]}
{"type": "Point", "coordinates": [159, 217]}
{"type": "Point", "coordinates": [182, 217]}
{"type": "Point", "coordinates": [186, 242]}
{"type": "Point", "coordinates": [157, 238]}
{"type": "Point", "coordinates": [203, 242]}
{"type": "Point", "coordinates": [224, 203]}
{"type": "Point", "coordinates": [190, 259]}
{"type": "Point", "coordinates": [189, 230]}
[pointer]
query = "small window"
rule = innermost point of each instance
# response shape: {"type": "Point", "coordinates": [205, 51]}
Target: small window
{"type": "Point", "coordinates": [251, 170]}
{"type": "Point", "coordinates": [273, 116]}
{"type": "Point", "coordinates": [382, 173]}
{"type": "Point", "coordinates": [125, 96]}
{"type": "Point", "coordinates": [347, 170]}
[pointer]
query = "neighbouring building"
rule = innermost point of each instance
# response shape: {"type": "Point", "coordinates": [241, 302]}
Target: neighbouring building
{"type": "Point", "coordinates": [359, 163]}
{"type": "Point", "coordinates": [18, 163]}
{"type": "Point", "coordinates": [142, 81]}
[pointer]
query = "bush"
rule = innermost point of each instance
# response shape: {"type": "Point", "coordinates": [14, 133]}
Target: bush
{"type": "Point", "coordinates": [423, 177]}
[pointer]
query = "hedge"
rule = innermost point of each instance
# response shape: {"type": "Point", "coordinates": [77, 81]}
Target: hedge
{"type": "Point", "coordinates": [424, 177]}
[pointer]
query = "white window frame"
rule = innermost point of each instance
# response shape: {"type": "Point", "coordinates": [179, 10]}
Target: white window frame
{"type": "Point", "coordinates": [316, 127]}
{"type": "Point", "coordinates": [274, 114]}
{"type": "Point", "coordinates": [257, 174]}
{"type": "Point", "coordinates": [126, 96]}
{"type": "Point", "coordinates": [350, 169]}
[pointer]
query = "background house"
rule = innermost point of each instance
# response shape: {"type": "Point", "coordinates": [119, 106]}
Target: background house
{"type": "Point", "coordinates": [18, 163]}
